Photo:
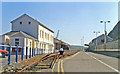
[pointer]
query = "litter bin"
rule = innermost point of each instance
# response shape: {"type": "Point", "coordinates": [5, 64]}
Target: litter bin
{"type": "Point", "coordinates": [61, 52]}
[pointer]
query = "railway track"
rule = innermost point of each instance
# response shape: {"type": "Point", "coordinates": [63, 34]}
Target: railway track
{"type": "Point", "coordinates": [45, 62]}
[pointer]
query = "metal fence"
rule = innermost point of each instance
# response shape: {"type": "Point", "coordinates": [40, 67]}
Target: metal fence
{"type": "Point", "coordinates": [109, 45]}
{"type": "Point", "coordinates": [16, 53]}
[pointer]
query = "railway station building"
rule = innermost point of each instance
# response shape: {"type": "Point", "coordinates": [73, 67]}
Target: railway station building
{"type": "Point", "coordinates": [28, 32]}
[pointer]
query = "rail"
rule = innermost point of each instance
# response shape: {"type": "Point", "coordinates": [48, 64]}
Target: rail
{"type": "Point", "coordinates": [46, 57]}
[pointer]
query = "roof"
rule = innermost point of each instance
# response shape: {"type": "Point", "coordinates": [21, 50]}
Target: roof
{"type": "Point", "coordinates": [23, 33]}
{"type": "Point", "coordinates": [10, 33]}
{"type": "Point", "coordinates": [101, 36]}
{"type": "Point", "coordinates": [60, 41]}
{"type": "Point", "coordinates": [98, 37]}
{"type": "Point", "coordinates": [34, 20]}
{"type": "Point", "coordinates": [27, 35]}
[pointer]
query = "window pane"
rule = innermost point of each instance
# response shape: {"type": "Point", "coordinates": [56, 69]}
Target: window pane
{"type": "Point", "coordinates": [20, 22]}
{"type": "Point", "coordinates": [29, 22]}
{"type": "Point", "coordinates": [16, 39]}
{"type": "Point", "coordinates": [16, 42]}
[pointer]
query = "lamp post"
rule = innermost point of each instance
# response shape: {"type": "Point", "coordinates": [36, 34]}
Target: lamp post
{"type": "Point", "coordinates": [105, 22]}
{"type": "Point", "coordinates": [96, 38]}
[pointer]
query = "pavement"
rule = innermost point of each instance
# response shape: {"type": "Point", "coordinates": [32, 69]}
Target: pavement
{"type": "Point", "coordinates": [87, 62]}
{"type": "Point", "coordinates": [4, 61]}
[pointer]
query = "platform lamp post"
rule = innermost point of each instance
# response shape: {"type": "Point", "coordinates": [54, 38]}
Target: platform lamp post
{"type": "Point", "coordinates": [96, 37]}
{"type": "Point", "coordinates": [105, 22]}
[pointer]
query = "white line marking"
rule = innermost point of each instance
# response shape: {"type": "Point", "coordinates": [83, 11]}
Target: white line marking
{"type": "Point", "coordinates": [104, 63]}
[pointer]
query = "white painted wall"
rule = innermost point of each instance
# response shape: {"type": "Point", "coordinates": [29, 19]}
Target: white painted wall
{"type": "Point", "coordinates": [46, 41]}
{"type": "Point", "coordinates": [31, 29]}
{"type": "Point", "coordinates": [3, 39]}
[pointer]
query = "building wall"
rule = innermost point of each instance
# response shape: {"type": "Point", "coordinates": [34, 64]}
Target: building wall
{"type": "Point", "coordinates": [31, 29]}
{"type": "Point", "coordinates": [23, 41]}
{"type": "Point", "coordinates": [4, 40]}
{"type": "Point", "coordinates": [46, 38]}
{"type": "Point", "coordinates": [100, 40]}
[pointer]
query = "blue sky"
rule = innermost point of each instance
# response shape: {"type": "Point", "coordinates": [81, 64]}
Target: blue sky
{"type": "Point", "coordinates": [73, 19]}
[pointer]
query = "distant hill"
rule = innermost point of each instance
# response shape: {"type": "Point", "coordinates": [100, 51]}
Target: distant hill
{"type": "Point", "coordinates": [77, 46]}
{"type": "Point", "coordinates": [115, 32]}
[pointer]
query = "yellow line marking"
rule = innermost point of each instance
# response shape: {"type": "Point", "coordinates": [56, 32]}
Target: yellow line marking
{"type": "Point", "coordinates": [62, 67]}
{"type": "Point", "coordinates": [58, 66]}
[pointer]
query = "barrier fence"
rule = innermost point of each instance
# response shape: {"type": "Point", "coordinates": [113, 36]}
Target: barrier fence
{"type": "Point", "coordinates": [19, 50]}
{"type": "Point", "coordinates": [109, 45]}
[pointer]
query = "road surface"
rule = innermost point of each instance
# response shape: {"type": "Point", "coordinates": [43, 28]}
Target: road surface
{"type": "Point", "coordinates": [87, 62]}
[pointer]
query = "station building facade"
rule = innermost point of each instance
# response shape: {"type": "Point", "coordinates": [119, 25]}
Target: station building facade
{"type": "Point", "coordinates": [28, 32]}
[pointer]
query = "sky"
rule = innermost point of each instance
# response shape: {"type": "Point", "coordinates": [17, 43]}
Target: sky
{"type": "Point", "coordinates": [75, 20]}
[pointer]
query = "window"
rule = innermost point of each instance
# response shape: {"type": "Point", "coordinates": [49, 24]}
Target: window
{"type": "Point", "coordinates": [36, 45]}
{"type": "Point", "coordinates": [20, 22]}
{"type": "Point", "coordinates": [45, 35]}
{"type": "Point", "coordinates": [42, 34]}
{"type": "Point", "coordinates": [17, 42]}
{"type": "Point", "coordinates": [29, 22]}
{"type": "Point", "coordinates": [102, 40]}
{"type": "Point", "coordinates": [51, 38]}
{"type": "Point", "coordinates": [30, 44]}
{"type": "Point", "coordinates": [40, 46]}
{"type": "Point", "coordinates": [48, 36]}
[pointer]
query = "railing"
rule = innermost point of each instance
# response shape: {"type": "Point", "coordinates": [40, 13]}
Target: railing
{"type": "Point", "coordinates": [109, 45]}
{"type": "Point", "coordinates": [19, 50]}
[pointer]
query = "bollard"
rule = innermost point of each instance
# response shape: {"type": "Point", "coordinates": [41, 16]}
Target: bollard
{"type": "Point", "coordinates": [17, 54]}
{"type": "Point", "coordinates": [3, 48]}
{"type": "Point", "coordinates": [37, 51]}
{"type": "Point", "coordinates": [30, 53]}
{"type": "Point", "coordinates": [34, 51]}
{"type": "Point", "coordinates": [42, 52]}
{"type": "Point", "coordinates": [22, 53]}
{"type": "Point", "coordinates": [9, 55]}
{"type": "Point", "coordinates": [26, 52]}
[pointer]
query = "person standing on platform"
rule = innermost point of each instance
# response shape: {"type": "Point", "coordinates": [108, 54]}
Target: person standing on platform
{"type": "Point", "coordinates": [61, 51]}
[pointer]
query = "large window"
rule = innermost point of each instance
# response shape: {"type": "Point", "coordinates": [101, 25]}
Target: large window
{"type": "Point", "coordinates": [42, 34]}
{"type": "Point", "coordinates": [45, 35]}
{"type": "Point", "coordinates": [17, 41]}
{"type": "Point", "coordinates": [48, 36]}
